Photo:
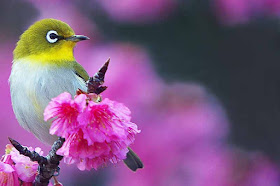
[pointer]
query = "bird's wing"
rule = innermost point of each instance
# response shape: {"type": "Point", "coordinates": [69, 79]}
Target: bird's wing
{"type": "Point", "coordinates": [132, 160]}
{"type": "Point", "coordinates": [80, 71]}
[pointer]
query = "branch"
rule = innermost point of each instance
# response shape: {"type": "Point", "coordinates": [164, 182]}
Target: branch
{"type": "Point", "coordinates": [50, 168]}
{"type": "Point", "coordinates": [48, 165]}
{"type": "Point", "coordinates": [94, 83]}
{"type": "Point", "coordinates": [34, 156]}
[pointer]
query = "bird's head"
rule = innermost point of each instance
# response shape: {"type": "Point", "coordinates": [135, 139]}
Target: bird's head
{"type": "Point", "coordinates": [46, 41]}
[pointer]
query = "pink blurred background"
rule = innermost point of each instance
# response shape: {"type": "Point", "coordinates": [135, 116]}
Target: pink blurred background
{"type": "Point", "coordinates": [185, 126]}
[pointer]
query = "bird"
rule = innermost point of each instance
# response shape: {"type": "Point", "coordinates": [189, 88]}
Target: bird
{"type": "Point", "coordinates": [43, 67]}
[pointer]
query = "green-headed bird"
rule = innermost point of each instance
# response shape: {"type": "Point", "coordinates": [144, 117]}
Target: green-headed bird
{"type": "Point", "coordinates": [44, 67]}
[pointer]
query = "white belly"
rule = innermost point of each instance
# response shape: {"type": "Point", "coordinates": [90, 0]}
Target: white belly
{"type": "Point", "coordinates": [32, 87]}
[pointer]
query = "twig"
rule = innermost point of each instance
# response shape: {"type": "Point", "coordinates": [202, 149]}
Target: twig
{"type": "Point", "coordinates": [48, 165]}
{"type": "Point", "coordinates": [51, 168]}
{"type": "Point", "coordinates": [34, 156]}
{"type": "Point", "coordinates": [94, 83]}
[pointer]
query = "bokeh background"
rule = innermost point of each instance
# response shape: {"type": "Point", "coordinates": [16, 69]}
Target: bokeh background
{"type": "Point", "coordinates": [200, 77]}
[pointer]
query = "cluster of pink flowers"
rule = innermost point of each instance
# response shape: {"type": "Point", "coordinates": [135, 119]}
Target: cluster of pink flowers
{"type": "Point", "coordinates": [95, 132]}
{"type": "Point", "coordinates": [16, 168]}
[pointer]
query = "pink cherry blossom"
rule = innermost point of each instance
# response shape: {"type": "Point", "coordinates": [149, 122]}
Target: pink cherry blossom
{"type": "Point", "coordinates": [26, 184]}
{"type": "Point", "coordinates": [26, 171]}
{"type": "Point", "coordinates": [24, 167]}
{"type": "Point", "coordinates": [8, 178]}
{"type": "Point", "coordinates": [6, 168]}
{"type": "Point", "coordinates": [106, 122]}
{"type": "Point", "coordinates": [64, 111]}
{"type": "Point", "coordinates": [76, 150]}
{"type": "Point", "coordinates": [95, 132]}
{"type": "Point", "coordinates": [8, 175]}
{"type": "Point", "coordinates": [19, 158]}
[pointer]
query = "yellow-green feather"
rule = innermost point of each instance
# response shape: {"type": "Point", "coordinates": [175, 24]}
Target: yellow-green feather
{"type": "Point", "coordinates": [81, 71]}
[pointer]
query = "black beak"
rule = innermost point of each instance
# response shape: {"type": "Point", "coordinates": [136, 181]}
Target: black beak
{"type": "Point", "coordinates": [76, 38]}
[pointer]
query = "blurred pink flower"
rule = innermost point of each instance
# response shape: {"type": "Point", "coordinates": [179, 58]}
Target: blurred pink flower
{"type": "Point", "coordinates": [64, 111]}
{"type": "Point", "coordinates": [96, 132]}
{"type": "Point", "coordinates": [233, 11]}
{"type": "Point", "coordinates": [207, 164]}
{"type": "Point", "coordinates": [131, 78]}
{"type": "Point", "coordinates": [180, 116]}
{"type": "Point", "coordinates": [259, 171]}
{"type": "Point", "coordinates": [138, 11]}
{"type": "Point", "coordinates": [186, 117]}
{"type": "Point", "coordinates": [68, 12]}
{"type": "Point", "coordinates": [198, 114]}
{"type": "Point", "coordinates": [193, 125]}
{"type": "Point", "coordinates": [242, 11]}
{"type": "Point", "coordinates": [272, 7]}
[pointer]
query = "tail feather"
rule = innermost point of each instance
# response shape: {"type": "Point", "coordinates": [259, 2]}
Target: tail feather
{"type": "Point", "coordinates": [133, 161]}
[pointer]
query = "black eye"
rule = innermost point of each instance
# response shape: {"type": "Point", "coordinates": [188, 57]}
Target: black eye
{"type": "Point", "coordinates": [52, 36]}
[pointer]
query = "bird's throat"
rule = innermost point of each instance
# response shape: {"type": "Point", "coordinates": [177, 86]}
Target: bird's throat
{"type": "Point", "coordinates": [54, 56]}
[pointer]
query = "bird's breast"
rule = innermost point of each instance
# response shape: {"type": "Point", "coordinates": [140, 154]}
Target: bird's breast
{"type": "Point", "coordinates": [33, 86]}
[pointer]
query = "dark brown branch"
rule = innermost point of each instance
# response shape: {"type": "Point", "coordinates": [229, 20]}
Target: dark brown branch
{"type": "Point", "coordinates": [48, 165]}
{"type": "Point", "coordinates": [94, 83]}
{"type": "Point", "coordinates": [34, 156]}
{"type": "Point", "coordinates": [51, 168]}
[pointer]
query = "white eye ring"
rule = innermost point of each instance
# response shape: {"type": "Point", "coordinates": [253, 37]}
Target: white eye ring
{"type": "Point", "coordinates": [49, 38]}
